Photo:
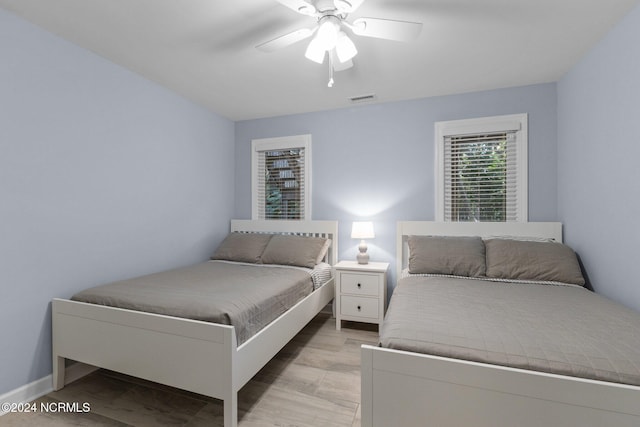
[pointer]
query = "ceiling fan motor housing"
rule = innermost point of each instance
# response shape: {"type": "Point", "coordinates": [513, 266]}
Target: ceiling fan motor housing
{"type": "Point", "coordinates": [323, 6]}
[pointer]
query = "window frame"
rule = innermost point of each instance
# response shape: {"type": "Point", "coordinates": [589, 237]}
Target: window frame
{"type": "Point", "coordinates": [517, 123]}
{"type": "Point", "coordinates": [275, 144]}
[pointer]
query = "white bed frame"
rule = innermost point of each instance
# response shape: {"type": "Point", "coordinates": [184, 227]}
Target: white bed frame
{"type": "Point", "coordinates": [198, 356]}
{"type": "Point", "coordinates": [401, 388]}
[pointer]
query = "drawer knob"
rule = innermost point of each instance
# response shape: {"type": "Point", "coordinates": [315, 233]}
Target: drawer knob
{"type": "Point", "coordinates": [359, 308]}
{"type": "Point", "coordinates": [359, 285]}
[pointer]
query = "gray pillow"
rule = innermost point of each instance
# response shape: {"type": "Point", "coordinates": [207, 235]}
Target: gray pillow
{"type": "Point", "coordinates": [294, 250]}
{"type": "Point", "coordinates": [458, 256]}
{"type": "Point", "coordinates": [242, 247]}
{"type": "Point", "coordinates": [540, 261]}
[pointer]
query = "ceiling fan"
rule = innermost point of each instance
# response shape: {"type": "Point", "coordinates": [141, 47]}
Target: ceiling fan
{"type": "Point", "coordinates": [330, 40]}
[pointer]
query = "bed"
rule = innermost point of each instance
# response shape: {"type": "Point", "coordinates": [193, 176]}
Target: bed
{"type": "Point", "coordinates": [457, 385]}
{"type": "Point", "coordinates": [191, 354]}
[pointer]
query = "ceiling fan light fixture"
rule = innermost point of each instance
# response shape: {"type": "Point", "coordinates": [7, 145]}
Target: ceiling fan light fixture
{"type": "Point", "coordinates": [330, 40]}
{"type": "Point", "coordinates": [328, 31]}
{"type": "Point", "coordinates": [345, 49]}
{"type": "Point", "coordinates": [315, 51]}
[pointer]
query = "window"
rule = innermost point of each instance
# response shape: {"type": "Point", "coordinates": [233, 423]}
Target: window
{"type": "Point", "coordinates": [281, 178]}
{"type": "Point", "coordinates": [481, 169]}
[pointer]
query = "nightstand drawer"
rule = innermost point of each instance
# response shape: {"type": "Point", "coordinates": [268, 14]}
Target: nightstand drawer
{"type": "Point", "coordinates": [359, 284]}
{"type": "Point", "coordinates": [357, 306]}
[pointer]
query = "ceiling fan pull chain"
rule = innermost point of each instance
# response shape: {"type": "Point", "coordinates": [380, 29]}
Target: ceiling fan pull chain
{"type": "Point", "coordinates": [330, 84]}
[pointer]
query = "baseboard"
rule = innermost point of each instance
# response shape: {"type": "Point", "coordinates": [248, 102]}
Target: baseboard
{"type": "Point", "coordinates": [38, 388]}
{"type": "Point", "coordinates": [27, 392]}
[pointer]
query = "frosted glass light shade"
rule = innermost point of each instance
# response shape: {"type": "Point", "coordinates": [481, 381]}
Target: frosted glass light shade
{"type": "Point", "coordinates": [315, 51]}
{"type": "Point", "coordinates": [330, 39]}
{"type": "Point", "coordinates": [328, 32]}
{"type": "Point", "coordinates": [345, 49]}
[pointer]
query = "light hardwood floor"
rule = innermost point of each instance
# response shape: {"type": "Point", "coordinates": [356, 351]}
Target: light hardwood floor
{"type": "Point", "coordinates": [314, 381]}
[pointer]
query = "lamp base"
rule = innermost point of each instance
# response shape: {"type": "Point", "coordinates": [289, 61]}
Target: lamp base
{"type": "Point", "coordinates": [363, 256]}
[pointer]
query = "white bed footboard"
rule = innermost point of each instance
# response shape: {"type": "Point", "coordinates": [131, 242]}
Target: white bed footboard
{"type": "Point", "coordinates": [402, 388]}
{"type": "Point", "coordinates": [409, 389]}
{"type": "Point", "coordinates": [192, 355]}
{"type": "Point", "coordinates": [158, 348]}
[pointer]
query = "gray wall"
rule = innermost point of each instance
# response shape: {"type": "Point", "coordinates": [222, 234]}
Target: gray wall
{"type": "Point", "coordinates": [376, 162]}
{"type": "Point", "coordinates": [103, 176]}
{"type": "Point", "coordinates": [598, 161]}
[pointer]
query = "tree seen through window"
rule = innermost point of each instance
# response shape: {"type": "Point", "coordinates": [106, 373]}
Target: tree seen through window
{"type": "Point", "coordinates": [283, 184]}
{"type": "Point", "coordinates": [478, 174]}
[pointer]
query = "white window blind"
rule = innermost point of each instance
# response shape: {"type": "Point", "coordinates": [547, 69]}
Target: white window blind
{"type": "Point", "coordinates": [281, 178]}
{"type": "Point", "coordinates": [480, 178]}
{"type": "Point", "coordinates": [481, 169]}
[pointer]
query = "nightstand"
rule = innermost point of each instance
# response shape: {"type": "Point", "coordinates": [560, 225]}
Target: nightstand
{"type": "Point", "coordinates": [361, 291]}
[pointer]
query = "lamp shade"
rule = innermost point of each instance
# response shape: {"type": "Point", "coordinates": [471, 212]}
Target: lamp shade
{"type": "Point", "coordinates": [362, 230]}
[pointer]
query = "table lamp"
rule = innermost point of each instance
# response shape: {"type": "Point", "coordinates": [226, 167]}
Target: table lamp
{"type": "Point", "coordinates": [362, 230]}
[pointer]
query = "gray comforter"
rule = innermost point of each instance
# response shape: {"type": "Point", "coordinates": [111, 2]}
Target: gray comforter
{"type": "Point", "coordinates": [247, 297]}
{"type": "Point", "coordinates": [556, 329]}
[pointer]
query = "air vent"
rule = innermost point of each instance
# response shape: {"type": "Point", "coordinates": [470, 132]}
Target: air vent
{"type": "Point", "coordinates": [362, 98]}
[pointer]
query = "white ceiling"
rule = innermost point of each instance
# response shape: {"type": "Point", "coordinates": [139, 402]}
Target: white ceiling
{"type": "Point", "coordinates": [205, 49]}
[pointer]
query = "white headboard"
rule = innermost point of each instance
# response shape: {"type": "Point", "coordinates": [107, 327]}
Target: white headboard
{"type": "Point", "coordinates": [326, 229]}
{"type": "Point", "coordinates": [549, 230]}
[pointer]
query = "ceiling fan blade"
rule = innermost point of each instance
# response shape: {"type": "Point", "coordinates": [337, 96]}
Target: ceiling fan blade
{"type": "Point", "coordinates": [336, 64]}
{"type": "Point", "coordinates": [347, 6]}
{"type": "Point", "coordinates": [286, 40]}
{"type": "Point", "coordinates": [299, 6]}
{"type": "Point", "coordinates": [386, 29]}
